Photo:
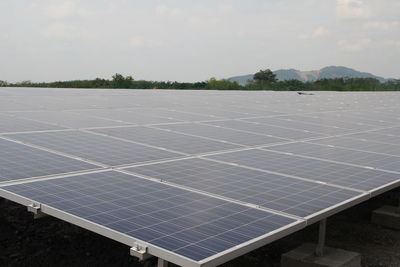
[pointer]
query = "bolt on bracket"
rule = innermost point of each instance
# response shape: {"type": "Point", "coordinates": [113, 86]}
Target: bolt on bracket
{"type": "Point", "coordinates": [140, 251]}
{"type": "Point", "coordinates": [35, 208]}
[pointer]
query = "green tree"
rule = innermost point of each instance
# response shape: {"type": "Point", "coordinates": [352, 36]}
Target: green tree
{"type": "Point", "coordinates": [119, 81]}
{"type": "Point", "coordinates": [266, 76]}
{"type": "Point", "coordinates": [3, 83]}
{"type": "Point", "coordinates": [290, 85]}
{"type": "Point", "coordinates": [215, 84]}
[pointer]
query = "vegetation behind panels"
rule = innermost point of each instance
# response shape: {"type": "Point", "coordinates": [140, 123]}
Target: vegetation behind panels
{"type": "Point", "coordinates": [262, 80]}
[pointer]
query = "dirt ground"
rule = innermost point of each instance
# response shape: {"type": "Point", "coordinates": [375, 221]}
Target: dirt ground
{"type": "Point", "coordinates": [51, 242]}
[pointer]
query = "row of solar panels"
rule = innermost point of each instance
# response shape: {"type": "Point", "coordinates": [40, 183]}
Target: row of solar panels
{"type": "Point", "coordinates": [196, 194]}
{"type": "Point", "coordinates": [289, 185]}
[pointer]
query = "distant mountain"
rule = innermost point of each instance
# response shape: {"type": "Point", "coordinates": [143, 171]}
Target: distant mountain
{"type": "Point", "coordinates": [306, 76]}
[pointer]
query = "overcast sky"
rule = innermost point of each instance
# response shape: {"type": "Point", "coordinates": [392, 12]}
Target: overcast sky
{"type": "Point", "coordinates": [193, 40]}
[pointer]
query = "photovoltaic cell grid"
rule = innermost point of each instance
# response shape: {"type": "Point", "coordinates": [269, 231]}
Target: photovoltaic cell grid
{"type": "Point", "coordinates": [166, 139]}
{"type": "Point", "coordinates": [9, 124]}
{"type": "Point", "coordinates": [349, 142]}
{"type": "Point", "coordinates": [219, 133]}
{"type": "Point", "coordinates": [20, 162]}
{"type": "Point", "coordinates": [277, 192]}
{"type": "Point", "coordinates": [362, 158]}
{"type": "Point", "coordinates": [376, 138]}
{"type": "Point", "coordinates": [323, 120]}
{"type": "Point", "coordinates": [293, 168]}
{"type": "Point", "coordinates": [266, 129]}
{"type": "Point", "coordinates": [313, 169]}
{"type": "Point", "coordinates": [193, 225]}
{"type": "Point", "coordinates": [299, 125]}
{"type": "Point", "coordinates": [96, 148]}
{"type": "Point", "coordinates": [68, 119]}
{"type": "Point", "coordinates": [135, 116]}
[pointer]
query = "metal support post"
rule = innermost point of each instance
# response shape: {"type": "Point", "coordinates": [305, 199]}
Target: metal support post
{"type": "Point", "coordinates": [398, 205]}
{"type": "Point", "coordinates": [162, 263]}
{"type": "Point", "coordinates": [319, 251]}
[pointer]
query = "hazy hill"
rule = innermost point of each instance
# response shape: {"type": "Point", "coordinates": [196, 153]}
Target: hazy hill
{"type": "Point", "coordinates": [324, 73]}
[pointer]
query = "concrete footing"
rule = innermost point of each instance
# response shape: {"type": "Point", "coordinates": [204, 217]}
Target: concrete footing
{"type": "Point", "coordinates": [387, 216]}
{"type": "Point", "coordinates": [304, 256]}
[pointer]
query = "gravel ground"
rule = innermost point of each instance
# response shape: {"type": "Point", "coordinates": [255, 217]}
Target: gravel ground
{"type": "Point", "coordinates": [51, 242]}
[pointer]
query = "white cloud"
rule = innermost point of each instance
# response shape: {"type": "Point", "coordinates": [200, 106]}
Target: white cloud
{"type": "Point", "coordinates": [395, 43]}
{"type": "Point", "coordinates": [60, 31]}
{"type": "Point", "coordinates": [353, 45]}
{"type": "Point", "coordinates": [166, 10]}
{"type": "Point", "coordinates": [319, 32]}
{"type": "Point", "coordinates": [316, 33]}
{"type": "Point", "coordinates": [226, 8]}
{"type": "Point", "coordinates": [137, 41]}
{"type": "Point", "coordinates": [382, 25]}
{"type": "Point", "coordinates": [140, 41]}
{"type": "Point", "coordinates": [352, 9]}
{"type": "Point", "coordinates": [63, 10]}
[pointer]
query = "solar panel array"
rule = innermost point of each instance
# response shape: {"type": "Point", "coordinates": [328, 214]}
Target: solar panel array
{"type": "Point", "coordinates": [197, 177]}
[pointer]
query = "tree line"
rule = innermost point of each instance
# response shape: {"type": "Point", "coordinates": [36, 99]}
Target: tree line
{"type": "Point", "coordinates": [263, 80]}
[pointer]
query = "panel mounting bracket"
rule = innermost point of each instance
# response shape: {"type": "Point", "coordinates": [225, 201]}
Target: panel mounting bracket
{"type": "Point", "coordinates": [35, 208]}
{"type": "Point", "coordinates": [140, 251]}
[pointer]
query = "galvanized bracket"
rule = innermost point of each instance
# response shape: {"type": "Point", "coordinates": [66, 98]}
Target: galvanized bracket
{"type": "Point", "coordinates": [140, 251]}
{"type": "Point", "coordinates": [35, 208]}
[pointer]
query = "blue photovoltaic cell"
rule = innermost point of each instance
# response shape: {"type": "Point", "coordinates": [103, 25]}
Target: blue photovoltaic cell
{"type": "Point", "coordinates": [68, 119]}
{"type": "Point", "coordinates": [21, 162]}
{"type": "Point", "coordinates": [89, 146]}
{"type": "Point", "coordinates": [352, 142]}
{"type": "Point", "coordinates": [9, 124]}
{"type": "Point", "coordinates": [299, 125]}
{"type": "Point", "coordinates": [293, 196]}
{"type": "Point", "coordinates": [190, 224]}
{"type": "Point", "coordinates": [362, 158]}
{"type": "Point", "coordinates": [271, 130]}
{"type": "Point", "coordinates": [131, 116]}
{"type": "Point", "coordinates": [229, 135]}
{"type": "Point", "coordinates": [395, 131]}
{"type": "Point", "coordinates": [320, 119]}
{"type": "Point", "coordinates": [344, 175]}
{"type": "Point", "coordinates": [167, 139]}
{"type": "Point", "coordinates": [376, 137]}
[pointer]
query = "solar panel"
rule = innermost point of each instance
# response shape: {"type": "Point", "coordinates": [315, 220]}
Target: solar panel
{"type": "Point", "coordinates": [132, 116]}
{"type": "Point", "coordinates": [293, 196]}
{"type": "Point", "coordinates": [376, 137]}
{"type": "Point", "coordinates": [197, 177]}
{"type": "Point", "coordinates": [313, 169]}
{"type": "Point", "coordinates": [326, 121]}
{"type": "Point", "coordinates": [68, 119]}
{"type": "Point", "coordinates": [395, 131]}
{"type": "Point", "coordinates": [229, 135]}
{"type": "Point", "coordinates": [172, 114]}
{"type": "Point", "coordinates": [167, 139]}
{"type": "Point", "coordinates": [96, 148]}
{"type": "Point", "coordinates": [20, 162]}
{"type": "Point", "coordinates": [191, 225]}
{"type": "Point", "coordinates": [9, 124]}
{"type": "Point", "coordinates": [361, 158]}
{"type": "Point", "coordinates": [299, 125]}
{"type": "Point", "coordinates": [354, 142]}
{"type": "Point", "coordinates": [347, 116]}
{"type": "Point", "coordinates": [271, 130]}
